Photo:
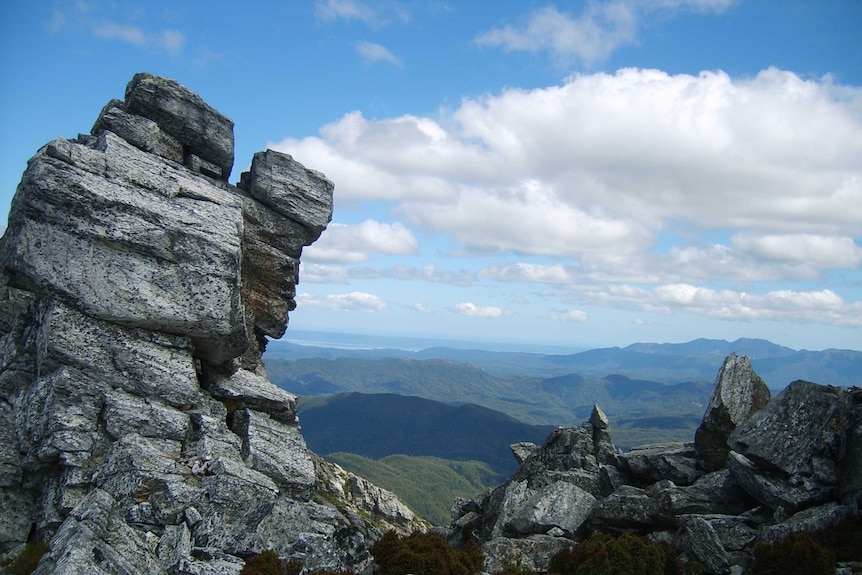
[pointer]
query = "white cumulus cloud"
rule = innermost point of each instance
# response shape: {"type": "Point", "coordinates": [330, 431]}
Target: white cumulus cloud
{"type": "Point", "coordinates": [373, 53]}
{"type": "Point", "coordinates": [529, 273]}
{"type": "Point", "coordinates": [472, 310]}
{"type": "Point", "coordinates": [353, 301]}
{"type": "Point", "coordinates": [591, 36]}
{"type": "Point", "coordinates": [595, 169]}
{"type": "Point", "coordinates": [816, 306]}
{"type": "Point", "coordinates": [373, 14]}
{"type": "Point", "coordinates": [171, 41]}
{"type": "Point", "coordinates": [574, 315]}
{"type": "Point", "coordinates": [342, 243]}
{"type": "Point", "coordinates": [823, 251]}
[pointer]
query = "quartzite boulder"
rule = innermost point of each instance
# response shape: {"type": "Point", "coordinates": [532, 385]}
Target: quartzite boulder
{"type": "Point", "coordinates": [137, 291]}
{"type": "Point", "coordinates": [180, 113]}
{"type": "Point", "coordinates": [790, 454]}
{"type": "Point", "coordinates": [738, 394]}
{"type": "Point", "coordinates": [787, 465]}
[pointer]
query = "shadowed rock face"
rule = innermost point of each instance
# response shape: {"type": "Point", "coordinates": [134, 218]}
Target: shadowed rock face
{"type": "Point", "coordinates": [738, 394]}
{"type": "Point", "coordinates": [137, 291]}
{"type": "Point", "coordinates": [758, 470]}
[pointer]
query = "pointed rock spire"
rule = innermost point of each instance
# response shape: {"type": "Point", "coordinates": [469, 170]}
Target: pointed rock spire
{"type": "Point", "coordinates": [738, 394]}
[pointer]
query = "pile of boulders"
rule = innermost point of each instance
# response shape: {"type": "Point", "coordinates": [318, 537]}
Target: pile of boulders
{"type": "Point", "coordinates": [759, 469]}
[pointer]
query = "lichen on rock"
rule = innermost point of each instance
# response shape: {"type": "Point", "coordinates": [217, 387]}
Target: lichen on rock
{"type": "Point", "coordinates": [137, 293]}
{"type": "Point", "coordinates": [758, 470]}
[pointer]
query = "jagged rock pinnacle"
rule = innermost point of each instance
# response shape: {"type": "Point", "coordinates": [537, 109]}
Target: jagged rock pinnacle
{"type": "Point", "coordinates": [137, 291]}
{"type": "Point", "coordinates": [738, 394]}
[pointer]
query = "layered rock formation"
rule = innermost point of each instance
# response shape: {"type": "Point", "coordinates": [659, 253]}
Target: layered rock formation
{"type": "Point", "coordinates": [137, 291]}
{"type": "Point", "coordinates": [759, 470]}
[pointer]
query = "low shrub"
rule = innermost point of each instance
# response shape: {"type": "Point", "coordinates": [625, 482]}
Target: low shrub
{"type": "Point", "coordinates": [268, 563]}
{"type": "Point", "coordinates": [796, 554]}
{"type": "Point", "coordinates": [510, 569]}
{"type": "Point", "coordinates": [264, 563]}
{"type": "Point", "coordinates": [27, 561]}
{"type": "Point", "coordinates": [844, 539]}
{"type": "Point", "coordinates": [602, 554]}
{"type": "Point", "coordinates": [424, 554]}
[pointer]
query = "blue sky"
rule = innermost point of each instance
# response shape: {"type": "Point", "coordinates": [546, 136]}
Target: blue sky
{"type": "Point", "coordinates": [574, 173]}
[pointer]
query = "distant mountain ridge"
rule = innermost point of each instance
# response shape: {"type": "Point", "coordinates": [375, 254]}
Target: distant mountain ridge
{"type": "Point", "coordinates": [696, 360]}
{"type": "Point", "coordinates": [379, 425]}
{"type": "Point", "coordinates": [753, 348]}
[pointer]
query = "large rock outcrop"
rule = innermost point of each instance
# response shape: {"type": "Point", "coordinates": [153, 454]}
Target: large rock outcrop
{"type": "Point", "coordinates": [137, 291]}
{"type": "Point", "coordinates": [760, 470]}
{"type": "Point", "coordinates": [738, 394]}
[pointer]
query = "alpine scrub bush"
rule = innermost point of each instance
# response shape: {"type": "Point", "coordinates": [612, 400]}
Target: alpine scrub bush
{"type": "Point", "coordinates": [424, 554]}
{"type": "Point", "coordinates": [796, 554]}
{"type": "Point", "coordinates": [264, 563]}
{"type": "Point", "coordinates": [27, 561]}
{"type": "Point", "coordinates": [510, 569]}
{"type": "Point", "coordinates": [268, 563]}
{"type": "Point", "coordinates": [602, 554]}
{"type": "Point", "coordinates": [844, 539]}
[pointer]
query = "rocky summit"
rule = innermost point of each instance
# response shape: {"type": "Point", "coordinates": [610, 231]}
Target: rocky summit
{"type": "Point", "coordinates": [760, 468]}
{"type": "Point", "coordinates": [137, 293]}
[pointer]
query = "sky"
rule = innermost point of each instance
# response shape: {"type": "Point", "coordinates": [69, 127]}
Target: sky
{"type": "Point", "coordinates": [587, 173]}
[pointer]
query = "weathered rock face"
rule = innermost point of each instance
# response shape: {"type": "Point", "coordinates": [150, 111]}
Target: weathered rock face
{"type": "Point", "coordinates": [788, 465]}
{"type": "Point", "coordinates": [137, 291]}
{"type": "Point", "coordinates": [738, 394]}
{"type": "Point", "coordinates": [798, 445]}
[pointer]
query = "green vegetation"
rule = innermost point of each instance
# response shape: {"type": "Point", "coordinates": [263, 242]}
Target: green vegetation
{"type": "Point", "coordinates": [844, 539]}
{"type": "Point", "coordinates": [424, 554]}
{"type": "Point", "coordinates": [602, 554]}
{"type": "Point", "coordinates": [27, 561]}
{"type": "Point", "coordinates": [265, 563]}
{"type": "Point", "coordinates": [378, 425]}
{"type": "Point", "coordinates": [810, 553]}
{"type": "Point", "coordinates": [628, 437]}
{"type": "Point", "coordinates": [510, 569]}
{"type": "Point", "coordinates": [561, 400]}
{"type": "Point", "coordinates": [428, 485]}
{"type": "Point", "coordinates": [796, 554]}
{"type": "Point", "coordinates": [268, 563]}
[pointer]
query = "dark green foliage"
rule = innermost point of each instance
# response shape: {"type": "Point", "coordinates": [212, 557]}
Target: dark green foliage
{"type": "Point", "coordinates": [510, 569]}
{"type": "Point", "coordinates": [796, 554]}
{"type": "Point", "coordinates": [291, 567]}
{"type": "Point", "coordinates": [382, 424]}
{"type": "Point", "coordinates": [673, 565]}
{"type": "Point", "coordinates": [603, 554]}
{"type": "Point", "coordinates": [844, 539]}
{"type": "Point", "coordinates": [428, 485]}
{"type": "Point", "coordinates": [268, 563]}
{"type": "Point", "coordinates": [27, 561]}
{"type": "Point", "coordinates": [424, 554]}
{"type": "Point", "coordinates": [265, 563]}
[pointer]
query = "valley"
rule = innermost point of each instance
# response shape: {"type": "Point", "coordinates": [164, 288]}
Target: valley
{"type": "Point", "coordinates": [435, 424]}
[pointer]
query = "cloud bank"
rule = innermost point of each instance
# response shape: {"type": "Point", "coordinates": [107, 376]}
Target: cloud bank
{"type": "Point", "coordinates": [638, 178]}
{"type": "Point", "coordinates": [592, 36]}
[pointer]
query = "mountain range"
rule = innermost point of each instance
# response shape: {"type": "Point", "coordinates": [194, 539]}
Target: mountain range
{"type": "Point", "coordinates": [435, 424]}
{"type": "Point", "coordinates": [697, 360]}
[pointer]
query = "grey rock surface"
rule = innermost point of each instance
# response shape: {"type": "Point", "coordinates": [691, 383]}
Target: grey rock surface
{"type": "Point", "coordinates": [779, 467]}
{"type": "Point", "coordinates": [738, 394]}
{"type": "Point", "coordinates": [673, 461]}
{"type": "Point", "coordinates": [182, 114]}
{"type": "Point", "coordinates": [806, 422]}
{"type": "Point", "coordinates": [291, 189]}
{"type": "Point", "coordinates": [533, 553]}
{"type": "Point", "coordinates": [137, 292]}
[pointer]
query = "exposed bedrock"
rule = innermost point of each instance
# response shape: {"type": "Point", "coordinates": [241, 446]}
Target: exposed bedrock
{"type": "Point", "coordinates": [137, 291]}
{"type": "Point", "coordinates": [758, 470]}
